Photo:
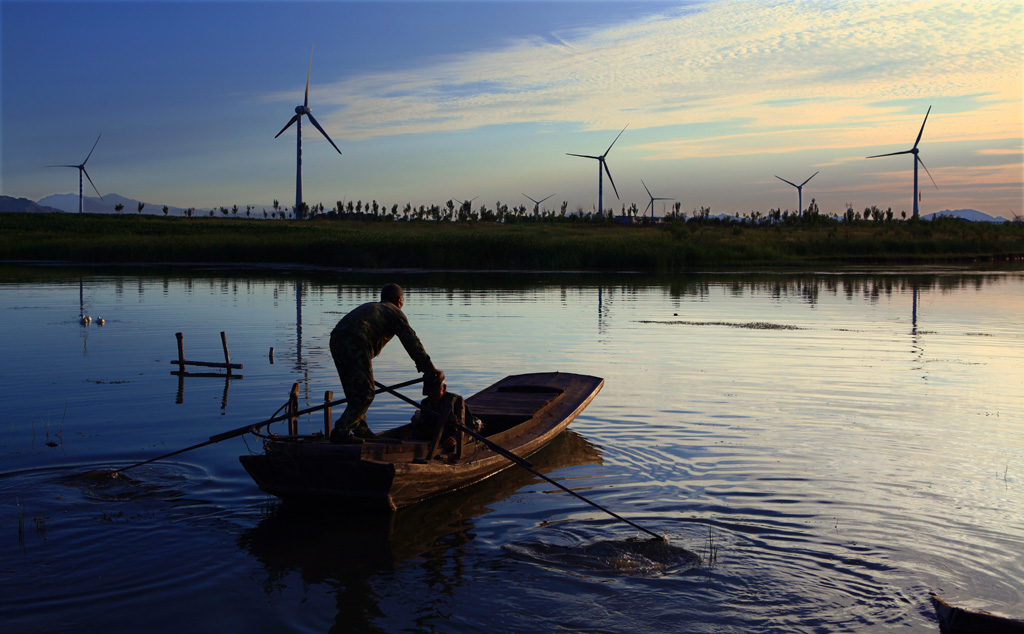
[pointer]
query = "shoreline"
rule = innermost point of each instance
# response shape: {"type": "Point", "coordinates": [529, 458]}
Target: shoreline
{"type": "Point", "coordinates": [522, 247]}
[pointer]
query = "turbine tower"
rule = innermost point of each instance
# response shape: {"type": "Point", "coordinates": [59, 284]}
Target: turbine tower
{"type": "Point", "coordinates": [602, 165]}
{"type": "Point", "coordinates": [536, 204]}
{"type": "Point", "coordinates": [917, 159]}
{"type": "Point", "coordinates": [799, 191]}
{"type": "Point", "coordinates": [651, 204]}
{"type": "Point", "coordinates": [297, 119]}
{"type": "Point", "coordinates": [81, 170]}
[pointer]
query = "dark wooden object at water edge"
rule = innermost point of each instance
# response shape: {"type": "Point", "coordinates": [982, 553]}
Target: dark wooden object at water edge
{"type": "Point", "coordinates": [954, 620]}
{"type": "Point", "coordinates": [521, 413]}
{"type": "Point", "coordinates": [181, 362]}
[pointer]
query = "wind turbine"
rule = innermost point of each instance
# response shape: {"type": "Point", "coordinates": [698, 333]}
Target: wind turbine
{"type": "Point", "coordinates": [602, 165]}
{"type": "Point", "coordinates": [81, 170]}
{"type": "Point", "coordinates": [917, 159]}
{"type": "Point", "coordinates": [651, 204]}
{"type": "Point", "coordinates": [799, 191]}
{"type": "Point", "coordinates": [536, 204]}
{"type": "Point", "coordinates": [463, 204]}
{"type": "Point", "coordinates": [297, 119]}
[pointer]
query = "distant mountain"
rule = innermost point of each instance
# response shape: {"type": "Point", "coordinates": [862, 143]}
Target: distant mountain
{"type": "Point", "coordinates": [24, 205]}
{"type": "Point", "coordinates": [93, 205]}
{"type": "Point", "coordinates": [966, 214]}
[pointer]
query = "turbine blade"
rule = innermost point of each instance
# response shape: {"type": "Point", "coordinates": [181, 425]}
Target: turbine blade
{"type": "Point", "coordinates": [91, 151]}
{"type": "Point", "coordinates": [927, 172]}
{"type": "Point", "coordinates": [584, 156]}
{"type": "Point", "coordinates": [922, 126]}
{"type": "Point", "coordinates": [786, 181]}
{"type": "Point", "coordinates": [536, 202]}
{"type": "Point", "coordinates": [543, 199]}
{"type": "Point", "coordinates": [646, 187]}
{"type": "Point", "coordinates": [891, 154]}
{"type": "Point", "coordinates": [75, 166]}
{"type": "Point", "coordinates": [650, 205]}
{"type": "Point", "coordinates": [91, 183]}
{"type": "Point", "coordinates": [610, 179]}
{"type": "Point", "coordinates": [613, 142]}
{"type": "Point", "coordinates": [293, 120]}
{"type": "Point", "coordinates": [809, 179]}
{"type": "Point", "coordinates": [313, 121]}
{"type": "Point", "coordinates": [308, 73]}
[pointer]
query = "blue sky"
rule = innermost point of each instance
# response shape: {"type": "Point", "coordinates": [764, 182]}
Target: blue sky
{"type": "Point", "coordinates": [430, 101]}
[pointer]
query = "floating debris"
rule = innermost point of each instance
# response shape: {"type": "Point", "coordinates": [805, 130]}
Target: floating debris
{"type": "Point", "coordinates": [753, 325]}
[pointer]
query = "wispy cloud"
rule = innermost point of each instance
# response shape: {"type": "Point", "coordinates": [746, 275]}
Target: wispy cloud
{"type": "Point", "coordinates": [782, 76]}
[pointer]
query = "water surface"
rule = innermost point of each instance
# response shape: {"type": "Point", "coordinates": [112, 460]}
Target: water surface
{"type": "Point", "coordinates": [831, 446]}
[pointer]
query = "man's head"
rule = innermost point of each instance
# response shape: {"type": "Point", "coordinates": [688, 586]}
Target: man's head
{"type": "Point", "coordinates": [393, 294]}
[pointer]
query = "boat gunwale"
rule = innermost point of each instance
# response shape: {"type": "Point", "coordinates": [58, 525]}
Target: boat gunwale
{"type": "Point", "coordinates": [529, 436]}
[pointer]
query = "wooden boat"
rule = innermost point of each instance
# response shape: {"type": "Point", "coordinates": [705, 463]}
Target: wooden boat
{"type": "Point", "coordinates": [520, 413]}
{"type": "Point", "coordinates": [953, 620]}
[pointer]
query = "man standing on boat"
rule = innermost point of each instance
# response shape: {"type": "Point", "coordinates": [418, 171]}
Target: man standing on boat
{"type": "Point", "coordinates": [355, 341]}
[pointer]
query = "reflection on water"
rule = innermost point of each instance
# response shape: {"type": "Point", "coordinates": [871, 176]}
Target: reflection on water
{"type": "Point", "coordinates": [344, 551]}
{"type": "Point", "coordinates": [841, 442]}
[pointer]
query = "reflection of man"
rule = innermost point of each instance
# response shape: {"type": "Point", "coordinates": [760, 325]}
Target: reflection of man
{"type": "Point", "coordinates": [358, 338]}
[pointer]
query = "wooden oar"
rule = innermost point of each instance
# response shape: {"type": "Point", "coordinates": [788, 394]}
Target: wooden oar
{"type": "Point", "coordinates": [522, 462]}
{"type": "Point", "coordinates": [254, 426]}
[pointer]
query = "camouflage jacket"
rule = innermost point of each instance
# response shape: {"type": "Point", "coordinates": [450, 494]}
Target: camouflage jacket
{"type": "Point", "coordinates": [375, 323]}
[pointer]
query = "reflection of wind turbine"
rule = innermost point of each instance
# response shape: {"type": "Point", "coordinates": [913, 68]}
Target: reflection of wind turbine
{"type": "Point", "coordinates": [799, 191]}
{"type": "Point", "coordinates": [298, 325]}
{"type": "Point", "coordinates": [81, 170]}
{"type": "Point", "coordinates": [297, 119]}
{"type": "Point", "coordinates": [602, 166]}
{"type": "Point", "coordinates": [651, 204]}
{"type": "Point", "coordinates": [536, 204]}
{"type": "Point", "coordinates": [917, 159]}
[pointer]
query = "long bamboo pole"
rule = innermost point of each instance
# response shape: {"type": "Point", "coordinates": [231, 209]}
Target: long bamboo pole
{"type": "Point", "coordinates": [522, 462]}
{"type": "Point", "coordinates": [245, 429]}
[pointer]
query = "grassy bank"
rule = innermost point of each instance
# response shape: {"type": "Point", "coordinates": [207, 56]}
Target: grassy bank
{"type": "Point", "coordinates": [484, 245]}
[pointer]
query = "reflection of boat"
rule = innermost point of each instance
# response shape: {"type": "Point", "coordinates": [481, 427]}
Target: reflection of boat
{"type": "Point", "coordinates": [521, 413]}
{"type": "Point", "coordinates": [347, 551]}
{"type": "Point", "coordinates": [325, 546]}
{"type": "Point", "coordinates": [953, 620]}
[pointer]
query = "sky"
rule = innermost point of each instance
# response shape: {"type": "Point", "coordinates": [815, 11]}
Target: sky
{"type": "Point", "coordinates": [430, 101]}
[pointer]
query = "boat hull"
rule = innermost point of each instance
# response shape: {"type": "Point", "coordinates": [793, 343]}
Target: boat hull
{"type": "Point", "coordinates": [521, 413]}
{"type": "Point", "coordinates": [954, 620]}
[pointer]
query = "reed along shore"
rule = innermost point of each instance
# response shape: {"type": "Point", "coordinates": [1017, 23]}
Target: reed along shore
{"type": "Point", "coordinates": [561, 245]}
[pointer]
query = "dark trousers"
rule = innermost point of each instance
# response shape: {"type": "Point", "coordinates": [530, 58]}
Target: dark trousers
{"type": "Point", "coordinates": [352, 359]}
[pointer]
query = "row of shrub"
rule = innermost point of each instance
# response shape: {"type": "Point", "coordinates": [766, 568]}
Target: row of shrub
{"type": "Point", "coordinates": [669, 246]}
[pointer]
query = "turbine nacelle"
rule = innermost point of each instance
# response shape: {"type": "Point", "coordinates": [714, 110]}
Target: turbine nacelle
{"type": "Point", "coordinates": [917, 160]}
{"type": "Point", "coordinates": [301, 111]}
{"type": "Point", "coordinates": [82, 171]}
{"type": "Point", "coordinates": [653, 198]}
{"type": "Point", "coordinates": [602, 168]}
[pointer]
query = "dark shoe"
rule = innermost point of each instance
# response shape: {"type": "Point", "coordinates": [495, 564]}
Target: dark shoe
{"type": "Point", "coordinates": [341, 437]}
{"type": "Point", "coordinates": [363, 432]}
